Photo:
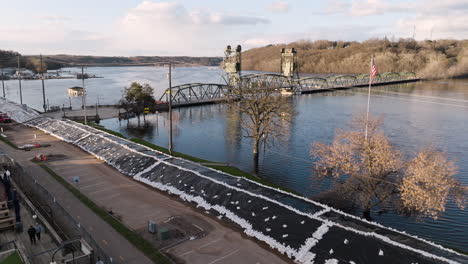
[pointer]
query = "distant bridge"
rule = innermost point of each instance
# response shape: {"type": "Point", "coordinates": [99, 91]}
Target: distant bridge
{"type": "Point", "coordinates": [196, 93]}
{"type": "Point", "coordinates": [206, 93]}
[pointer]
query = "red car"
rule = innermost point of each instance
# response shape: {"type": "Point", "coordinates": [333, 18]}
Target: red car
{"type": "Point", "coordinates": [5, 118]}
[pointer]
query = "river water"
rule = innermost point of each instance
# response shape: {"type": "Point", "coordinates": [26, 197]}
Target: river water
{"type": "Point", "coordinates": [415, 115]}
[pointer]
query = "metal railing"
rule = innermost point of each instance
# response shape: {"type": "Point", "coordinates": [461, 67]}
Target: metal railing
{"type": "Point", "coordinates": [67, 227]}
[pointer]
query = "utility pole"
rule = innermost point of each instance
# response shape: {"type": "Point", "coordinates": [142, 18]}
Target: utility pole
{"type": "Point", "coordinates": [170, 108]}
{"type": "Point", "coordinates": [43, 89]}
{"type": "Point", "coordinates": [3, 84]}
{"type": "Point", "coordinates": [19, 79]}
{"type": "Point", "coordinates": [84, 95]}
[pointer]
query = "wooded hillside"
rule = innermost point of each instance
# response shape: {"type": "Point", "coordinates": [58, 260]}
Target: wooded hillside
{"type": "Point", "coordinates": [429, 59]}
{"type": "Point", "coordinates": [53, 62]}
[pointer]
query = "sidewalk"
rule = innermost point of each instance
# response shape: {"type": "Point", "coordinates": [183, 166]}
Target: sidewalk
{"type": "Point", "coordinates": [112, 242]}
{"type": "Point", "coordinates": [134, 203]}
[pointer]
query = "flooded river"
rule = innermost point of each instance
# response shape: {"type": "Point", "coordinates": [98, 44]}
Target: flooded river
{"type": "Point", "coordinates": [415, 115]}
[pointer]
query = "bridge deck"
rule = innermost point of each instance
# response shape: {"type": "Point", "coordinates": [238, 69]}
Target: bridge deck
{"type": "Point", "coordinates": [343, 87]}
{"type": "Point", "coordinates": [186, 103]}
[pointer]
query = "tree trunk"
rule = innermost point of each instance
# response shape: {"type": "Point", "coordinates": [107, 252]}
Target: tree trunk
{"type": "Point", "coordinates": [255, 155]}
{"type": "Point", "coordinates": [138, 117]}
{"type": "Point", "coordinates": [366, 214]}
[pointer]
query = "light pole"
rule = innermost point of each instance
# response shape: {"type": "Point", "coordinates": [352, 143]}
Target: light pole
{"type": "Point", "coordinates": [19, 79]}
{"type": "Point", "coordinates": [170, 108]}
{"type": "Point", "coordinates": [3, 84]}
{"type": "Point", "coordinates": [43, 89]}
{"type": "Point", "coordinates": [84, 95]}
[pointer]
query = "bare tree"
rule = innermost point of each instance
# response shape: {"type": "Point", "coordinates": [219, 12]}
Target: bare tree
{"type": "Point", "coordinates": [372, 173]}
{"type": "Point", "coordinates": [265, 114]}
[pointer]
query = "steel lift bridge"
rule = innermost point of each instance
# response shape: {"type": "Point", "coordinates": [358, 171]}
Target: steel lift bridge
{"type": "Point", "coordinates": [202, 93]}
{"type": "Point", "coordinates": [286, 82]}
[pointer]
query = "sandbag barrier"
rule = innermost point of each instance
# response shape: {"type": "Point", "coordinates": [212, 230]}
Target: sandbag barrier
{"type": "Point", "coordinates": [306, 231]}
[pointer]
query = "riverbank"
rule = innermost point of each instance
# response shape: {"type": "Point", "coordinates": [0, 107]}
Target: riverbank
{"type": "Point", "coordinates": [221, 167]}
{"type": "Point", "coordinates": [102, 189]}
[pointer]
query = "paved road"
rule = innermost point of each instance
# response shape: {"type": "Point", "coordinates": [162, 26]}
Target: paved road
{"type": "Point", "coordinates": [136, 204]}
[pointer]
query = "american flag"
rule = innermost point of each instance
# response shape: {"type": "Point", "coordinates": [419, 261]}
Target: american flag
{"type": "Point", "coordinates": [373, 69]}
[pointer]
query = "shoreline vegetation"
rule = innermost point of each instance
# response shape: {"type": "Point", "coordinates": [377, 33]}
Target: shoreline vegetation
{"type": "Point", "coordinates": [8, 59]}
{"type": "Point", "coordinates": [429, 59]}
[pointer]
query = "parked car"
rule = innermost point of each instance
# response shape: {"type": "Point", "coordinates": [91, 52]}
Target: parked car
{"type": "Point", "coordinates": [5, 118]}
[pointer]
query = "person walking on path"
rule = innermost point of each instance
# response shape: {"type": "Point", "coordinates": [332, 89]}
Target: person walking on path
{"type": "Point", "coordinates": [32, 235]}
{"type": "Point", "coordinates": [39, 229]}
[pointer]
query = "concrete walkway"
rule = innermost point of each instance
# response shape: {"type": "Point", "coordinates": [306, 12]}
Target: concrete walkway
{"type": "Point", "coordinates": [112, 242]}
{"type": "Point", "coordinates": [134, 203]}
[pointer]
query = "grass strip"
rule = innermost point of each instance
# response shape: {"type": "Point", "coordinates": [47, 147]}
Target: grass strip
{"type": "Point", "coordinates": [227, 169]}
{"type": "Point", "coordinates": [99, 127]}
{"type": "Point", "coordinates": [138, 241]}
{"type": "Point", "coordinates": [13, 259]}
{"type": "Point", "coordinates": [8, 142]}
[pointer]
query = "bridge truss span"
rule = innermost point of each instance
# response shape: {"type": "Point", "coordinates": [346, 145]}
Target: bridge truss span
{"type": "Point", "coordinates": [310, 83]}
{"type": "Point", "coordinates": [275, 80]}
{"type": "Point", "coordinates": [200, 93]}
{"type": "Point", "coordinates": [196, 93]}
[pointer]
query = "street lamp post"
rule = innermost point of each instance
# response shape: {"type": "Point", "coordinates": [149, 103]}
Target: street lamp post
{"type": "Point", "coordinates": [3, 84]}
{"type": "Point", "coordinates": [43, 89]}
{"type": "Point", "coordinates": [19, 79]}
{"type": "Point", "coordinates": [84, 96]}
{"type": "Point", "coordinates": [170, 108]}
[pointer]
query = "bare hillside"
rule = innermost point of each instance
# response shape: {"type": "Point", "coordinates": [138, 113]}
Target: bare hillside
{"type": "Point", "coordinates": [430, 59]}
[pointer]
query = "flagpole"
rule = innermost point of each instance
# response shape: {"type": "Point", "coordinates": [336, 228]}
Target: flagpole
{"type": "Point", "coordinates": [368, 97]}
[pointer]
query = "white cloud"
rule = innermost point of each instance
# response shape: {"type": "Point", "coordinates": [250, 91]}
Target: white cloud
{"type": "Point", "coordinates": [169, 28]}
{"type": "Point", "coordinates": [278, 7]}
{"type": "Point", "coordinates": [447, 19]}
{"type": "Point", "coordinates": [378, 7]}
{"type": "Point", "coordinates": [436, 26]}
{"type": "Point", "coordinates": [54, 19]}
{"type": "Point", "coordinates": [176, 13]}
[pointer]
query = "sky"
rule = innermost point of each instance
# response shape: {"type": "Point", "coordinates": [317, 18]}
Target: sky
{"type": "Point", "coordinates": [205, 27]}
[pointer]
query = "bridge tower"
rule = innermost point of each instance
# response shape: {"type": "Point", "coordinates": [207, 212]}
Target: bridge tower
{"type": "Point", "coordinates": [232, 64]}
{"type": "Point", "coordinates": [289, 63]}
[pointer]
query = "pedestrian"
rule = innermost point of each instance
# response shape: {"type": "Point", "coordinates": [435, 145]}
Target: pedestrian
{"type": "Point", "coordinates": [6, 174]}
{"type": "Point", "coordinates": [32, 235]}
{"type": "Point", "coordinates": [99, 261]}
{"type": "Point", "coordinates": [39, 229]}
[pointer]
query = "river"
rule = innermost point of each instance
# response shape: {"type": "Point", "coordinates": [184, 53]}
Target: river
{"type": "Point", "coordinates": [415, 115]}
